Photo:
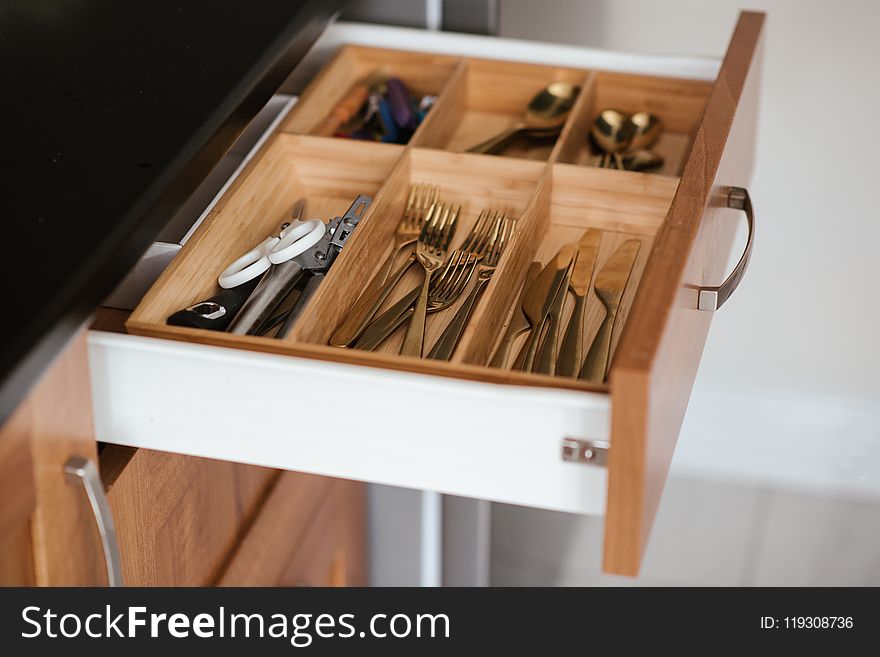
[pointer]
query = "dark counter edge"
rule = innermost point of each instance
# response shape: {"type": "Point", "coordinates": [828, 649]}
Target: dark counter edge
{"type": "Point", "coordinates": [143, 222]}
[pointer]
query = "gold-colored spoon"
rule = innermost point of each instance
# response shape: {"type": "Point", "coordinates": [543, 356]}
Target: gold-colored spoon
{"type": "Point", "coordinates": [612, 131]}
{"type": "Point", "coordinates": [646, 130]}
{"type": "Point", "coordinates": [545, 116]}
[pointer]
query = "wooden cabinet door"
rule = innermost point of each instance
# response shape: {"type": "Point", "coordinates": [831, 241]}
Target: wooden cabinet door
{"type": "Point", "coordinates": [179, 518]}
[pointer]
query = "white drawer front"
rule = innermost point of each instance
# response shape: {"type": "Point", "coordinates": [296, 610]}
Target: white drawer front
{"type": "Point", "coordinates": [489, 441]}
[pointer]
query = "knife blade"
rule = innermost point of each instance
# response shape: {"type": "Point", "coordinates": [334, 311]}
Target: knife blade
{"type": "Point", "coordinates": [538, 300]}
{"type": "Point", "coordinates": [571, 353]}
{"type": "Point", "coordinates": [610, 285]}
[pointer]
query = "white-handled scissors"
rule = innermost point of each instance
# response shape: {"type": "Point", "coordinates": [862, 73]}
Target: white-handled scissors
{"type": "Point", "coordinates": [295, 238]}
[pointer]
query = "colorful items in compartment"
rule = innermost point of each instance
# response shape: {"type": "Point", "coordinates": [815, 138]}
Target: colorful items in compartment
{"type": "Point", "coordinates": [389, 114]}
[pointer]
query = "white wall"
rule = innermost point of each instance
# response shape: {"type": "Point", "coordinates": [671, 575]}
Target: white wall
{"type": "Point", "coordinates": [789, 388]}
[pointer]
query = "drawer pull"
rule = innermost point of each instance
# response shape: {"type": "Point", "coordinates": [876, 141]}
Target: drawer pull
{"type": "Point", "coordinates": [80, 470]}
{"type": "Point", "coordinates": [712, 298]}
{"type": "Point", "coordinates": [578, 450]}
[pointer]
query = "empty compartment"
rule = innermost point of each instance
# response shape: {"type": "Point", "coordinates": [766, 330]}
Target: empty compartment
{"type": "Point", "coordinates": [339, 90]}
{"type": "Point", "coordinates": [679, 105]}
{"type": "Point", "coordinates": [490, 98]}
{"type": "Point", "coordinates": [473, 182]}
{"type": "Point", "coordinates": [328, 174]}
{"type": "Point", "coordinates": [623, 206]}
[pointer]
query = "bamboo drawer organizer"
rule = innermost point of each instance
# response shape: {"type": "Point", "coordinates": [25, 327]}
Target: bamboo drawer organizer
{"type": "Point", "coordinates": [545, 186]}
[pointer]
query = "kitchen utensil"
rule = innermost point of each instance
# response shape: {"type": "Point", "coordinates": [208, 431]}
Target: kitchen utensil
{"type": "Point", "coordinates": [281, 277]}
{"type": "Point", "coordinates": [545, 116]}
{"type": "Point", "coordinates": [611, 282]}
{"type": "Point", "coordinates": [350, 104]}
{"type": "Point", "coordinates": [431, 252]}
{"type": "Point", "coordinates": [448, 340]}
{"type": "Point", "coordinates": [295, 238]}
{"type": "Point", "coordinates": [646, 128]}
{"type": "Point", "coordinates": [421, 197]}
{"type": "Point", "coordinates": [612, 132]}
{"type": "Point", "coordinates": [445, 290]}
{"type": "Point", "coordinates": [545, 361]}
{"type": "Point", "coordinates": [537, 301]}
{"type": "Point", "coordinates": [518, 325]}
{"type": "Point", "coordinates": [471, 251]}
{"type": "Point", "coordinates": [241, 278]}
{"type": "Point", "coordinates": [571, 350]}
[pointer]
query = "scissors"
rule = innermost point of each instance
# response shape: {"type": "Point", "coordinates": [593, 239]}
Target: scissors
{"type": "Point", "coordinates": [256, 316]}
{"type": "Point", "coordinates": [242, 276]}
{"type": "Point", "coordinates": [294, 238]}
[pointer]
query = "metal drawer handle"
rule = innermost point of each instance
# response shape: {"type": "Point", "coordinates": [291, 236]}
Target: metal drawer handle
{"type": "Point", "coordinates": [80, 470]}
{"type": "Point", "coordinates": [712, 298]}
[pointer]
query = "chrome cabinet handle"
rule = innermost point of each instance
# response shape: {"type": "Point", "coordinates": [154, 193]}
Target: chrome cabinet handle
{"type": "Point", "coordinates": [712, 298]}
{"type": "Point", "coordinates": [80, 470]}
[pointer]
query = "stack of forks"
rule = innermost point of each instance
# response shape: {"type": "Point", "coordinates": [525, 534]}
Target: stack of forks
{"type": "Point", "coordinates": [431, 225]}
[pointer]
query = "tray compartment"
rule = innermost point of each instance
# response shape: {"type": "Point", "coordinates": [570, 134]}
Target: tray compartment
{"type": "Point", "coordinates": [329, 173]}
{"type": "Point", "coordinates": [571, 199]}
{"type": "Point", "coordinates": [423, 74]}
{"type": "Point", "coordinates": [488, 97]}
{"type": "Point", "coordinates": [678, 103]}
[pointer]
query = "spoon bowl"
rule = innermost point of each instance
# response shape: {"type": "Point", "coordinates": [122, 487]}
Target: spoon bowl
{"type": "Point", "coordinates": [646, 129]}
{"type": "Point", "coordinates": [612, 131]}
{"type": "Point", "coordinates": [544, 117]}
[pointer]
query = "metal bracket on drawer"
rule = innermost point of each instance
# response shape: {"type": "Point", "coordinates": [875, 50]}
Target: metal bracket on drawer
{"type": "Point", "coordinates": [578, 450]}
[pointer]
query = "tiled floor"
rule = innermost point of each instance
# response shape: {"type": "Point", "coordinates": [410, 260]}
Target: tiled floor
{"type": "Point", "coordinates": [706, 533]}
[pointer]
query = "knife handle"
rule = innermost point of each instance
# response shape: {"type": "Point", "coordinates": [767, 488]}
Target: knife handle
{"type": "Point", "coordinates": [546, 360]}
{"type": "Point", "coordinates": [344, 111]}
{"type": "Point", "coordinates": [572, 349]}
{"type": "Point", "coordinates": [526, 357]}
{"type": "Point", "coordinates": [596, 363]}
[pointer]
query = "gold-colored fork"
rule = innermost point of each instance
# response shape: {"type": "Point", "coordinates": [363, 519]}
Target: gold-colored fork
{"type": "Point", "coordinates": [502, 229]}
{"type": "Point", "coordinates": [445, 290]}
{"type": "Point", "coordinates": [421, 198]}
{"type": "Point", "coordinates": [431, 254]}
{"type": "Point", "coordinates": [475, 246]}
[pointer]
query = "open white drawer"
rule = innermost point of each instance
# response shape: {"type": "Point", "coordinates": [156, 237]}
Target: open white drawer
{"type": "Point", "coordinates": [304, 409]}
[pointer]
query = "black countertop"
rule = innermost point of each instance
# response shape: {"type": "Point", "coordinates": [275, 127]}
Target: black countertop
{"type": "Point", "coordinates": [113, 112]}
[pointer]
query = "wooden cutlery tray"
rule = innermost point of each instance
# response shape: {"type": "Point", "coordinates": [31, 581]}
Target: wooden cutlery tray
{"type": "Point", "coordinates": [544, 186]}
{"type": "Point", "coordinates": [537, 442]}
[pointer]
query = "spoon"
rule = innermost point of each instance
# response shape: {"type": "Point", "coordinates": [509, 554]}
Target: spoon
{"type": "Point", "coordinates": [646, 129]}
{"type": "Point", "coordinates": [544, 117]}
{"type": "Point", "coordinates": [612, 131]}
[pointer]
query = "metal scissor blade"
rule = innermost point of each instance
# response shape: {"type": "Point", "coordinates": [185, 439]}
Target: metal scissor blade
{"type": "Point", "coordinates": [266, 297]}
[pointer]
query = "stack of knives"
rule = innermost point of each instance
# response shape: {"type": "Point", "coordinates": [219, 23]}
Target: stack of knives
{"type": "Point", "coordinates": [543, 303]}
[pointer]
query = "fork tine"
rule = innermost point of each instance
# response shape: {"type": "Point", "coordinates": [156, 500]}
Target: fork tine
{"type": "Point", "coordinates": [451, 264]}
{"type": "Point", "coordinates": [490, 232]}
{"type": "Point", "coordinates": [468, 241]}
{"type": "Point", "coordinates": [461, 278]}
{"type": "Point", "coordinates": [430, 218]}
{"type": "Point", "coordinates": [443, 229]}
{"type": "Point", "coordinates": [431, 193]}
{"type": "Point", "coordinates": [449, 230]}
